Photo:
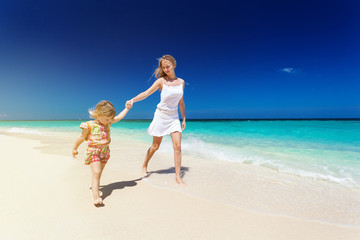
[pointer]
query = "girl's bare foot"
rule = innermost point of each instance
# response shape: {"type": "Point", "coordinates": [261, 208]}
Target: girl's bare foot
{"type": "Point", "coordinates": [100, 192]}
{"type": "Point", "coordinates": [98, 202]}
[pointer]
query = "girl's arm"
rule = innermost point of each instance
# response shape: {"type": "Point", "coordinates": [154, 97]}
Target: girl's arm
{"type": "Point", "coordinates": [182, 109]}
{"type": "Point", "coordinates": [156, 85]}
{"type": "Point", "coordinates": [79, 140]}
{"type": "Point", "coordinates": [120, 115]}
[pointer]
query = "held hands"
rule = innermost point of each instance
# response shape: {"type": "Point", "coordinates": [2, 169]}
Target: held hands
{"type": "Point", "coordinates": [129, 104]}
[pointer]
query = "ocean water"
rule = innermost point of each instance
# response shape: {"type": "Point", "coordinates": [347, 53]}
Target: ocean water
{"type": "Point", "coordinates": [319, 149]}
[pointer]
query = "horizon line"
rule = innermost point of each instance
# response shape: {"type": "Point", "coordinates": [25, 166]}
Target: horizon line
{"type": "Point", "coordinates": [196, 119]}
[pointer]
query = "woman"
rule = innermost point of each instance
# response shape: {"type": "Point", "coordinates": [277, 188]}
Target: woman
{"type": "Point", "coordinates": [166, 117]}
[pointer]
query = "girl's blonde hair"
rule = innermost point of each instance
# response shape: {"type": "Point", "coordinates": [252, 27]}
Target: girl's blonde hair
{"type": "Point", "coordinates": [159, 72]}
{"type": "Point", "coordinates": [103, 108]}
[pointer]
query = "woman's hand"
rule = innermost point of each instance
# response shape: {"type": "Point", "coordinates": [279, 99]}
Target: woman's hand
{"type": "Point", "coordinates": [129, 104]}
{"type": "Point", "coordinates": [183, 125]}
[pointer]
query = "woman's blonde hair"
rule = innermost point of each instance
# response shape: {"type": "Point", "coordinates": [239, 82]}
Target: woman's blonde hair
{"type": "Point", "coordinates": [159, 72]}
{"type": "Point", "coordinates": [103, 108]}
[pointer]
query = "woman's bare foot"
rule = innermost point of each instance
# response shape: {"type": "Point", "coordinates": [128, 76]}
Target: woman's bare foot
{"type": "Point", "coordinates": [180, 181]}
{"type": "Point", "coordinates": [98, 202]}
{"type": "Point", "coordinates": [144, 172]}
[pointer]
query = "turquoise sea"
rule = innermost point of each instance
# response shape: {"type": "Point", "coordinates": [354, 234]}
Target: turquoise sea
{"type": "Point", "coordinates": [319, 149]}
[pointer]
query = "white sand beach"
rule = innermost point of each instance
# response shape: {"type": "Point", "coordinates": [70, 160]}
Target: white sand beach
{"type": "Point", "coordinates": [45, 195]}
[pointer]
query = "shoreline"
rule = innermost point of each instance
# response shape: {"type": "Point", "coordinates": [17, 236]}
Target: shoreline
{"type": "Point", "coordinates": [266, 191]}
{"type": "Point", "coordinates": [249, 187]}
{"type": "Point", "coordinates": [133, 208]}
{"type": "Point", "coordinates": [245, 186]}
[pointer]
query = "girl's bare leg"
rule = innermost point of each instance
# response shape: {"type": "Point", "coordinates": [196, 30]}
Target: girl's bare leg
{"type": "Point", "coordinates": [150, 152]}
{"type": "Point", "coordinates": [96, 170]}
{"type": "Point", "coordinates": [176, 139]}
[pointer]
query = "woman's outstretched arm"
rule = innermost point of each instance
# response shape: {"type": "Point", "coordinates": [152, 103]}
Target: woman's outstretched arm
{"type": "Point", "coordinates": [156, 85]}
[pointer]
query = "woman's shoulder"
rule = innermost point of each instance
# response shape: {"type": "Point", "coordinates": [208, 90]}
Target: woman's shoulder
{"type": "Point", "coordinates": [160, 80]}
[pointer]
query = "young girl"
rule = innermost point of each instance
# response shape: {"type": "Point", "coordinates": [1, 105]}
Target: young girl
{"type": "Point", "coordinates": [166, 118]}
{"type": "Point", "coordinates": [97, 133]}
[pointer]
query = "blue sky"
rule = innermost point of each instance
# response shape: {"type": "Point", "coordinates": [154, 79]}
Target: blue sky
{"type": "Point", "coordinates": [240, 59]}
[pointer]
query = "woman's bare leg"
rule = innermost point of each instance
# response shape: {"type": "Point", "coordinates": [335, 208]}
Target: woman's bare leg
{"type": "Point", "coordinates": [176, 139]}
{"type": "Point", "coordinates": [150, 152]}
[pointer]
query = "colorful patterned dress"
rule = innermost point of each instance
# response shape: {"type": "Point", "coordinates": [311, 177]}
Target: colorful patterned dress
{"type": "Point", "coordinates": [98, 142]}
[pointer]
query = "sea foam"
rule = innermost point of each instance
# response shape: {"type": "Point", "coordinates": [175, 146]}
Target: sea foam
{"type": "Point", "coordinates": [195, 146]}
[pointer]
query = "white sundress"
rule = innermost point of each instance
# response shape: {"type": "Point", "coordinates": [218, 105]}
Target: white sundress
{"type": "Point", "coordinates": [166, 117]}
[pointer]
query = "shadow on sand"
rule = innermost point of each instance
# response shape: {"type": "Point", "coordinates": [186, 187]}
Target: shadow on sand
{"type": "Point", "coordinates": [108, 189]}
{"type": "Point", "coordinates": [169, 171]}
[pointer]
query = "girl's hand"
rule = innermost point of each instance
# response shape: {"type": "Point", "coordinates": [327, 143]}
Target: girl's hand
{"type": "Point", "coordinates": [129, 104]}
{"type": "Point", "coordinates": [183, 126]}
{"type": "Point", "coordinates": [74, 153]}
